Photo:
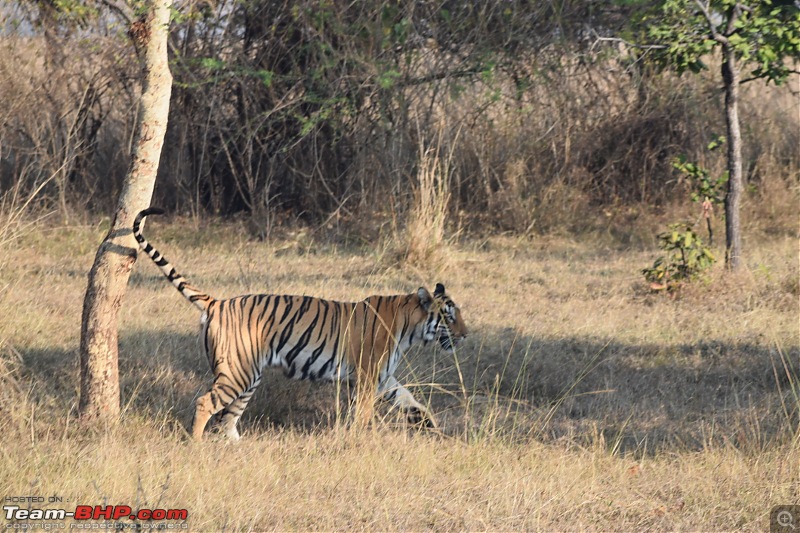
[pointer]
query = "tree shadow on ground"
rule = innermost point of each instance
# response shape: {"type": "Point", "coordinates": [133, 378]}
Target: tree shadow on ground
{"type": "Point", "coordinates": [633, 397]}
{"type": "Point", "coordinates": [638, 398]}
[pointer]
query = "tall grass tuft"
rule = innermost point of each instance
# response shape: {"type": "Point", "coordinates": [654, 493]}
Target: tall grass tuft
{"type": "Point", "coordinates": [425, 236]}
{"type": "Point", "coordinates": [18, 214]}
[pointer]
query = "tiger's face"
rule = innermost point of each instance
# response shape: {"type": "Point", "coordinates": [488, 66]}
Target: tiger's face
{"type": "Point", "coordinates": [444, 323]}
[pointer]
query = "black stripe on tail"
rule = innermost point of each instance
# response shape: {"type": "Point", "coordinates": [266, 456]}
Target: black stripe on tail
{"type": "Point", "coordinates": [199, 299]}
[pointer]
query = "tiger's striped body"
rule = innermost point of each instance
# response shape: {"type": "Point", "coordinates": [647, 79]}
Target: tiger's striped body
{"type": "Point", "coordinates": [311, 338]}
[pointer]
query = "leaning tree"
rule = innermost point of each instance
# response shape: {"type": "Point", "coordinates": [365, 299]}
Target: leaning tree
{"type": "Point", "coordinates": [108, 278]}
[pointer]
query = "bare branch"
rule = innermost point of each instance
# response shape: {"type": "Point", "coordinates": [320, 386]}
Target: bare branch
{"type": "Point", "coordinates": [628, 43]}
{"type": "Point", "coordinates": [712, 28]}
{"type": "Point", "coordinates": [730, 29]}
{"type": "Point", "coordinates": [754, 78]}
{"type": "Point", "coordinates": [120, 8]}
{"type": "Point", "coordinates": [437, 76]}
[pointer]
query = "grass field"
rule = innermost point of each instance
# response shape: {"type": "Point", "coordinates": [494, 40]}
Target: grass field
{"type": "Point", "coordinates": [580, 401]}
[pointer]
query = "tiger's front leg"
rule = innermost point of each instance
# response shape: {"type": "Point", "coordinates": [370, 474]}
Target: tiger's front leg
{"type": "Point", "coordinates": [392, 391]}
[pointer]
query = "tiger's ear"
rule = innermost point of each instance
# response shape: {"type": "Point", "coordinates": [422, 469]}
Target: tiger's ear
{"type": "Point", "coordinates": [438, 292]}
{"type": "Point", "coordinates": [425, 299]}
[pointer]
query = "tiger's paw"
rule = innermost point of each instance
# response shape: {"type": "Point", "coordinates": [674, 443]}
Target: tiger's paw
{"type": "Point", "coordinates": [421, 418]}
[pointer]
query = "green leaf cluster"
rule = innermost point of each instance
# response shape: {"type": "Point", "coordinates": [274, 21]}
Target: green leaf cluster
{"type": "Point", "coordinates": [761, 33]}
{"type": "Point", "coordinates": [703, 185]}
{"type": "Point", "coordinates": [686, 256]}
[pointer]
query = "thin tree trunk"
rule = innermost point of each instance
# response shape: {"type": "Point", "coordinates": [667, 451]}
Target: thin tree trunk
{"type": "Point", "coordinates": [108, 278]}
{"type": "Point", "coordinates": [733, 236]}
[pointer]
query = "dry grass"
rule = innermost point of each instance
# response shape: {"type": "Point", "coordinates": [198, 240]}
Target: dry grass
{"type": "Point", "coordinates": [424, 240]}
{"type": "Point", "coordinates": [579, 402]}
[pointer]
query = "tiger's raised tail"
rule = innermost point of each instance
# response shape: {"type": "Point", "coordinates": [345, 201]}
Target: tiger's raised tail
{"type": "Point", "coordinates": [198, 298]}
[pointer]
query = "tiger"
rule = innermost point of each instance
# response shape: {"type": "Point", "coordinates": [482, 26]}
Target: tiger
{"type": "Point", "coordinates": [311, 338]}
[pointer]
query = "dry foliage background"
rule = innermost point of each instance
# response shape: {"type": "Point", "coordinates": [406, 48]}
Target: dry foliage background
{"type": "Point", "coordinates": [320, 114]}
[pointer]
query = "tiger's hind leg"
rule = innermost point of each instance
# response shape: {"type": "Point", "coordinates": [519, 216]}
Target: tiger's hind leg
{"type": "Point", "coordinates": [232, 413]}
{"type": "Point", "coordinates": [222, 394]}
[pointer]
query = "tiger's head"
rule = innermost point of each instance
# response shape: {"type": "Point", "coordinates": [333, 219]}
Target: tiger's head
{"type": "Point", "coordinates": [443, 322]}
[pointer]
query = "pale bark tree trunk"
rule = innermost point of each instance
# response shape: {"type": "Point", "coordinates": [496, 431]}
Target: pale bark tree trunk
{"type": "Point", "coordinates": [731, 79]}
{"type": "Point", "coordinates": [733, 235]}
{"type": "Point", "coordinates": [108, 278]}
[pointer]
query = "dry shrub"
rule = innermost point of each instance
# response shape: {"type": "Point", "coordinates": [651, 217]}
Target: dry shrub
{"type": "Point", "coordinates": [772, 160]}
{"type": "Point", "coordinates": [14, 404]}
{"type": "Point", "coordinates": [71, 104]}
{"type": "Point", "coordinates": [512, 204]}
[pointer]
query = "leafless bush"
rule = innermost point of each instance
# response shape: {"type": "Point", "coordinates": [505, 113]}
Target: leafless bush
{"type": "Point", "coordinates": [70, 106]}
